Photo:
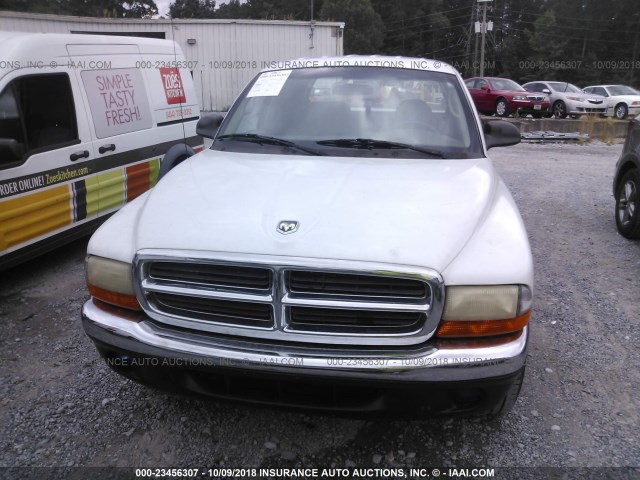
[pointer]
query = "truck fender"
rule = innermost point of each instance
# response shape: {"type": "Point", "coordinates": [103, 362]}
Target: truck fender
{"type": "Point", "coordinates": [175, 155]}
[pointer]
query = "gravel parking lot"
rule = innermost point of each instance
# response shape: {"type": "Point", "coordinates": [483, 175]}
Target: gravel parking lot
{"type": "Point", "coordinates": [579, 407]}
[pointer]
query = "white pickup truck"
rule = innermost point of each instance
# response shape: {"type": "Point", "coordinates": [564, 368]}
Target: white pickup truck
{"type": "Point", "coordinates": [345, 244]}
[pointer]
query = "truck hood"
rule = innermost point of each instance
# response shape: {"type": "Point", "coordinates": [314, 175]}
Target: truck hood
{"type": "Point", "coordinates": [401, 211]}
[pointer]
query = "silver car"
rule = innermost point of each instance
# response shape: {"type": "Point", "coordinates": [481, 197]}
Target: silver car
{"type": "Point", "coordinates": [567, 99]}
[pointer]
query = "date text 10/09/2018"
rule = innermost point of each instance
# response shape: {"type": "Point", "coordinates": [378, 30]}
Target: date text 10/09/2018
{"type": "Point", "coordinates": [579, 64]}
{"type": "Point", "coordinates": [411, 362]}
{"type": "Point", "coordinates": [229, 473]}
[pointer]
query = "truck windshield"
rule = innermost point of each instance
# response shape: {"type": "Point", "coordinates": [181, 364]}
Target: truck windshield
{"type": "Point", "coordinates": [353, 111]}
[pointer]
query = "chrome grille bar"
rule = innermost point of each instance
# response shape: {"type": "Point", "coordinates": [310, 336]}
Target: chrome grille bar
{"type": "Point", "coordinates": [307, 301]}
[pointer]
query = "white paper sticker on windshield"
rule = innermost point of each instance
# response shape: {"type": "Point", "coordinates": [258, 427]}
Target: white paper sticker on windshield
{"type": "Point", "coordinates": [269, 84]}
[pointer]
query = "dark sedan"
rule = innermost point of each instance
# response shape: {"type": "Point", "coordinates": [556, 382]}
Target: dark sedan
{"type": "Point", "coordinates": [502, 97]}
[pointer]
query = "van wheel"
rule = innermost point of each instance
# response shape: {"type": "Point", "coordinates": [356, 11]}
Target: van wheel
{"type": "Point", "coordinates": [174, 156]}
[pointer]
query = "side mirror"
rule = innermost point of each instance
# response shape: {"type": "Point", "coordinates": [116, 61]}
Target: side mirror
{"type": "Point", "coordinates": [547, 91]}
{"type": "Point", "coordinates": [208, 125]}
{"type": "Point", "coordinates": [500, 133]}
{"type": "Point", "coordinates": [485, 88]}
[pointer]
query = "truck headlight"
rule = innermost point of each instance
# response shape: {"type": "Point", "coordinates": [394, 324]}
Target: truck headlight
{"type": "Point", "coordinates": [479, 310]}
{"type": "Point", "coordinates": [112, 282]}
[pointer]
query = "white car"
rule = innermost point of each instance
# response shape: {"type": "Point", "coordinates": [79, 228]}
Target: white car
{"type": "Point", "coordinates": [334, 248]}
{"type": "Point", "coordinates": [567, 99]}
{"type": "Point", "coordinates": [621, 100]}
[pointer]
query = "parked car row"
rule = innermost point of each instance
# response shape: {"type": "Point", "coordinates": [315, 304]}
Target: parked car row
{"type": "Point", "coordinates": [504, 97]}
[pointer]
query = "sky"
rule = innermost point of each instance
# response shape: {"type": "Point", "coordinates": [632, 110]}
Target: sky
{"type": "Point", "coordinates": [163, 7]}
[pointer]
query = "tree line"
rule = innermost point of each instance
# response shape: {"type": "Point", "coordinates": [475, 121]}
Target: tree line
{"type": "Point", "coordinates": [581, 41]}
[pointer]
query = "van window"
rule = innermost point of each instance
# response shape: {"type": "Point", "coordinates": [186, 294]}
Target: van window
{"type": "Point", "coordinates": [37, 113]}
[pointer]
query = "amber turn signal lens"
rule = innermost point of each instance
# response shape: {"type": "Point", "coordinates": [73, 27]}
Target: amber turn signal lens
{"type": "Point", "coordinates": [481, 342]}
{"type": "Point", "coordinates": [118, 299]}
{"type": "Point", "coordinates": [125, 313]}
{"type": "Point", "coordinates": [482, 328]}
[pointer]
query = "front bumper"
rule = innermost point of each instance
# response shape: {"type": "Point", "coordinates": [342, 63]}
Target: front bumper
{"type": "Point", "coordinates": [527, 106]}
{"type": "Point", "coordinates": [581, 108]}
{"type": "Point", "coordinates": [155, 355]}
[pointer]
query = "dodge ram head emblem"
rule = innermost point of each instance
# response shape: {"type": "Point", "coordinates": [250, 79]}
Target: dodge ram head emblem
{"type": "Point", "coordinates": [287, 226]}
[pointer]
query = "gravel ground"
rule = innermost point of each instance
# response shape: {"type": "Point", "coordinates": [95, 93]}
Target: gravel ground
{"type": "Point", "coordinates": [579, 407]}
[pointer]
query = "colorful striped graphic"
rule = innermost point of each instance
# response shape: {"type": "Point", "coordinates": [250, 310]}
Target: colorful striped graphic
{"type": "Point", "coordinates": [138, 180]}
{"type": "Point", "coordinates": [34, 215]}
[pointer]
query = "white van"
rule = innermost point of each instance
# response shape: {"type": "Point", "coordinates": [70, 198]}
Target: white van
{"type": "Point", "coordinates": [86, 122]}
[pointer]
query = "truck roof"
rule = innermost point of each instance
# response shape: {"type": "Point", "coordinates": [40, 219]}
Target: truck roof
{"type": "Point", "coordinates": [364, 61]}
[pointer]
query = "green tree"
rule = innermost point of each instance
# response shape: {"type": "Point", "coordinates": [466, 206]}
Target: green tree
{"type": "Point", "coordinates": [269, 9]}
{"type": "Point", "coordinates": [85, 8]}
{"type": "Point", "coordinates": [33, 6]}
{"type": "Point", "coordinates": [547, 47]}
{"type": "Point", "coordinates": [513, 26]}
{"type": "Point", "coordinates": [140, 9]}
{"type": "Point", "coordinates": [364, 29]}
{"type": "Point", "coordinates": [416, 28]}
{"type": "Point", "coordinates": [193, 9]}
{"type": "Point", "coordinates": [233, 9]}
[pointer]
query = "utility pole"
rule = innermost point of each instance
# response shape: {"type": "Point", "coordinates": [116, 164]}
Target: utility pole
{"type": "Point", "coordinates": [312, 24]}
{"type": "Point", "coordinates": [475, 48]}
{"type": "Point", "coordinates": [468, 50]}
{"type": "Point", "coordinates": [483, 31]}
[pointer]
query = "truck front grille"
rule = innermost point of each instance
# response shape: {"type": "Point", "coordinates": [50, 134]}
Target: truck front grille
{"type": "Point", "coordinates": [214, 310]}
{"type": "Point", "coordinates": [213, 276]}
{"type": "Point", "coordinates": [353, 321]}
{"type": "Point", "coordinates": [372, 286]}
{"type": "Point", "coordinates": [297, 300]}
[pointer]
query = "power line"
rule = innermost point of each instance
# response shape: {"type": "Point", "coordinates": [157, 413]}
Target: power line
{"type": "Point", "coordinates": [407, 27]}
{"type": "Point", "coordinates": [634, 22]}
{"type": "Point", "coordinates": [564, 37]}
{"type": "Point", "coordinates": [429, 15]}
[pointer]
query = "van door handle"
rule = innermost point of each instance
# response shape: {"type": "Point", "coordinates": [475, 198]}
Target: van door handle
{"type": "Point", "coordinates": [78, 155]}
{"type": "Point", "coordinates": [107, 148]}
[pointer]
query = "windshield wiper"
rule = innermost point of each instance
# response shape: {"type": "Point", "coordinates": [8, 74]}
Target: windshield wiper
{"type": "Point", "coordinates": [370, 144]}
{"type": "Point", "coordinates": [264, 140]}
